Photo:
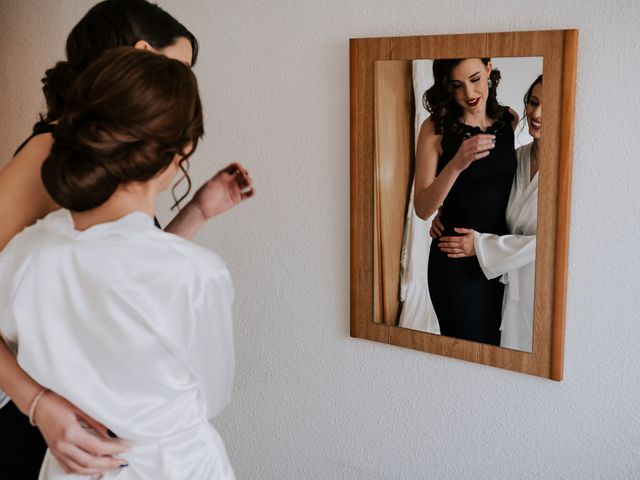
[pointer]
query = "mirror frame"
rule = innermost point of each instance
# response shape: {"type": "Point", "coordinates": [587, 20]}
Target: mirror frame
{"type": "Point", "coordinates": [559, 51]}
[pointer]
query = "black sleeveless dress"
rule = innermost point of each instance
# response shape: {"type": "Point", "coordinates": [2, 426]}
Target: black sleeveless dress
{"type": "Point", "coordinates": [469, 306]}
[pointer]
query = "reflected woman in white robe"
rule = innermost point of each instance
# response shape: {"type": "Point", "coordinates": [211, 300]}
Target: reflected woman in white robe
{"type": "Point", "coordinates": [130, 323]}
{"type": "Point", "coordinates": [512, 257]}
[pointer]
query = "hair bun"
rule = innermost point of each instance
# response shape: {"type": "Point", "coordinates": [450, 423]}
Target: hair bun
{"type": "Point", "coordinates": [72, 176]}
{"type": "Point", "coordinates": [55, 85]}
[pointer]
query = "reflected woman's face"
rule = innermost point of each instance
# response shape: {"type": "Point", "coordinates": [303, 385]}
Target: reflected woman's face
{"type": "Point", "coordinates": [469, 84]}
{"type": "Point", "coordinates": [533, 112]}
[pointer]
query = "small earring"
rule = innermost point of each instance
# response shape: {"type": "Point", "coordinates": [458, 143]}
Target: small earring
{"type": "Point", "coordinates": [490, 82]}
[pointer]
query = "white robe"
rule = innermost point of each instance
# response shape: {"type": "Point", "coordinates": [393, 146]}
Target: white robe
{"type": "Point", "coordinates": [513, 256]}
{"type": "Point", "coordinates": [132, 325]}
{"type": "Point", "coordinates": [417, 311]}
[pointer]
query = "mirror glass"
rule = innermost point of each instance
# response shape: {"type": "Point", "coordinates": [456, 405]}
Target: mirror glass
{"type": "Point", "coordinates": [466, 155]}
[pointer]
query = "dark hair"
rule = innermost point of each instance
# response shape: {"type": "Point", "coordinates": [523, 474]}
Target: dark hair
{"type": "Point", "coordinates": [527, 96]}
{"type": "Point", "coordinates": [126, 118]}
{"type": "Point", "coordinates": [110, 24]}
{"type": "Point", "coordinates": [439, 101]}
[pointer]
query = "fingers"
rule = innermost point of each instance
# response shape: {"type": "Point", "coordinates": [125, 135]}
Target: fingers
{"type": "Point", "coordinates": [247, 193]}
{"type": "Point", "coordinates": [464, 231]}
{"type": "Point", "coordinates": [88, 441]}
{"type": "Point", "coordinates": [242, 179]}
{"type": "Point", "coordinates": [449, 245]}
{"type": "Point", "coordinates": [451, 249]}
{"type": "Point", "coordinates": [480, 143]}
{"type": "Point", "coordinates": [97, 427]}
{"type": "Point", "coordinates": [453, 245]}
{"type": "Point", "coordinates": [77, 461]}
{"type": "Point", "coordinates": [480, 155]}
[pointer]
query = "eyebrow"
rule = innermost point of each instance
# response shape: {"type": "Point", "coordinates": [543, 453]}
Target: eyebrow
{"type": "Point", "coordinates": [470, 76]}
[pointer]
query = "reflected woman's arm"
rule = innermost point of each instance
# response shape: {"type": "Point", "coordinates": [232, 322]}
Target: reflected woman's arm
{"type": "Point", "coordinates": [498, 255]}
{"type": "Point", "coordinates": [430, 191]}
{"type": "Point", "coordinates": [459, 247]}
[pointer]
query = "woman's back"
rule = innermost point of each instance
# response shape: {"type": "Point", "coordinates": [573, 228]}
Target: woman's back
{"type": "Point", "coordinates": [131, 324]}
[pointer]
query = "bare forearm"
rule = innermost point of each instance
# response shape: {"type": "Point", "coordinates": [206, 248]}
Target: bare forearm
{"type": "Point", "coordinates": [427, 200]}
{"type": "Point", "coordinates": [187, 222]}
{"type": "Point", "coordinates": [15, 382]}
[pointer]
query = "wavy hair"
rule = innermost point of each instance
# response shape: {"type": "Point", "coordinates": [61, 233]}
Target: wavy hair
{"type": "Point", "coordinates": [439, 101]}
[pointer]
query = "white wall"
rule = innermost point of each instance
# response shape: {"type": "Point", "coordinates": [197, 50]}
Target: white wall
{"type": "Point", "coordinates": [310, 402]}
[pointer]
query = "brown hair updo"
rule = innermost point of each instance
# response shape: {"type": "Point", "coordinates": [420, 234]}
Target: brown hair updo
{"type": "Point", "coordinates": [127, 116]}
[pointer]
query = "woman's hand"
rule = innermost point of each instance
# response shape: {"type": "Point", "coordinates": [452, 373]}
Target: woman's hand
{"type": "Point", "coordinates": [227, 188]}
{"type": "Point", "coordinates": [437, 228]}
{"type": "Point", "coordinates": [472, 149]}
{"type": "Point", "coordinates": [81, 445]}
{"type": "Point", "coordinates": [458, 247]}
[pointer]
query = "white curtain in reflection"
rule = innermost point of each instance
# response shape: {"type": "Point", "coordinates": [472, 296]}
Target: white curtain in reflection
{"type": "Point", "coordinates": [417, 311]}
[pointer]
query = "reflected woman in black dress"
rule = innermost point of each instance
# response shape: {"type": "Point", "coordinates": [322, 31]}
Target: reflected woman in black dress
{"type": "Point", "coordinates": [465, 163]}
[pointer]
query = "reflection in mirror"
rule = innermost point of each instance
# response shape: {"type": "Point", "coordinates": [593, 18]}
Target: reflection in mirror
{"type": "Point", "coordinates": [455, 196]}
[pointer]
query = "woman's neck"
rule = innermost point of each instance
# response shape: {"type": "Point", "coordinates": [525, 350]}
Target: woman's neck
{"type": "Point", "coordinates": [128, 198]}
{"type": "Point", "coordinates": [534, 165]}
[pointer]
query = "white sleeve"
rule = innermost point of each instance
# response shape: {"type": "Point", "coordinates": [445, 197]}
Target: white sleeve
{"type": "Point", "coordinates": [211, 353]}
{"type": "Point", "coordinates": [8, 328]}
{"type": "Point", "coordinates": [203, 338]}
{"type": "Point", "coordinates": [499, 254]}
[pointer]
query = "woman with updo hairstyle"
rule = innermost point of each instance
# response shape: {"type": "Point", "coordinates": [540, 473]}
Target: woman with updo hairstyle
{"type": "Point", "coordinates": [108, 24]}
{"type": "Point", "coordinates": [465, 163]}
{"type": "Point", "coordinates": [129, 323]}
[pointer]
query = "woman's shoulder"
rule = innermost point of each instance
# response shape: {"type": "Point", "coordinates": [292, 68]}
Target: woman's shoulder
{"type": "Point", "coordinates": [429, 130]}
{"type": "Point", "coordinates": [523, 152]}
{"type": "Point", "coordinates": [41, 137]}
{"type": "Point", "coordinates": [201, 259]}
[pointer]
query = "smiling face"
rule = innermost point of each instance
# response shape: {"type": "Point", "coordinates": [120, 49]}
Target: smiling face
{"type": "Point", "coordinates": [533, 112]}
{"type": "Point", "coordinates": [469, 84]}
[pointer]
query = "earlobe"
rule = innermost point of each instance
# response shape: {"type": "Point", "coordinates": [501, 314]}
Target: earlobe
{"type": "Point", "coordinates": [143, 45]}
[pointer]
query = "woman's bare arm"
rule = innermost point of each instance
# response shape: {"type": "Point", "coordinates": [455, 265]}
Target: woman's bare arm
{"type": "Point", "coordinates": [23, 198]}
{"type": "Point", "coordinates": [227, 188]}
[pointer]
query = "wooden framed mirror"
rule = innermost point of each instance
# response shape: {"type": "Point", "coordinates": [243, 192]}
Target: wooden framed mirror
{"type": "Point", "coordinates": [387, 79]}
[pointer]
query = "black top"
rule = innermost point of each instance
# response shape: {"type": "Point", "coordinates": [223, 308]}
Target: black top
{"type": "Point", "coordinates": [38, 129]}
{"type": "Point", "coordinates": [478, 198]}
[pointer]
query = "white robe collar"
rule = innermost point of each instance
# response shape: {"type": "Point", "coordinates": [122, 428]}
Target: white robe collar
{"type": "Point", "coordinates": [134, 223]}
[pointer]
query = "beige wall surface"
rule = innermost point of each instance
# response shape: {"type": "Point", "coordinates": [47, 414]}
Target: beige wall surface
{"type": "Point", "coordinates": [311, 402]}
